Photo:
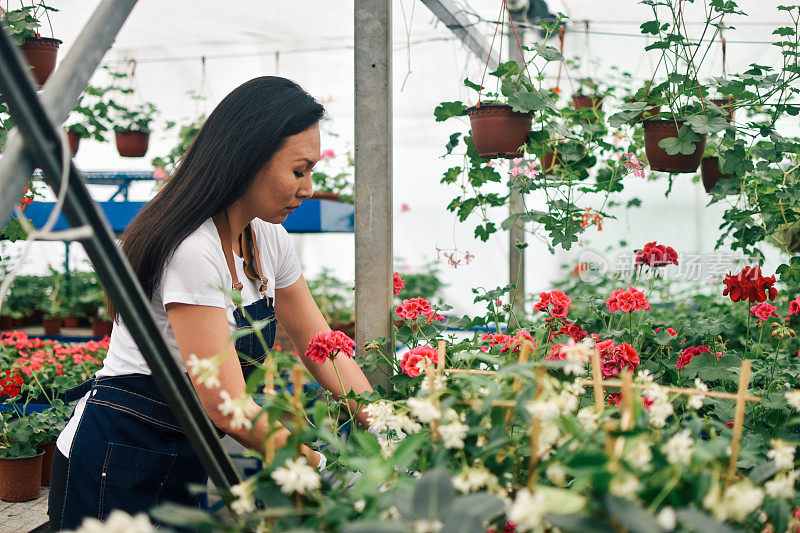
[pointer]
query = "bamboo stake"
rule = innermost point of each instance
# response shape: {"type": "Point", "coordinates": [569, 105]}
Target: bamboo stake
{"type": "Point", "coordinates": [469, 371]}
{"type": "Point", "coordinates": [536, 429]}
{"type": "Point", "coordinates": [738, 420]}
{"type": "Point", "coordinates": [297, 382]}
{"type": "Point", "coordinates": [626, 420]}
{"type": "Point", "coordinates": [616, 383]}
{"type": "Point", "coordinates": [597, 381]}
{"type": "Point", "coordinates": [517, 385]}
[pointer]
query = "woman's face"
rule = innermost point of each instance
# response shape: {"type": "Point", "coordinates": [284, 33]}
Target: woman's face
{"type": "Point", "coordinates": [285, 181]}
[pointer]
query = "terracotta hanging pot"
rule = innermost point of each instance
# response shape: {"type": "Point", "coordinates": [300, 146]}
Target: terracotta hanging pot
{"type": "Point", "coordinates": [74, 141]}
{"type": "Point", "coordinates": [52, 326]}
{"type": "Point", "coordinates": [580, 101]}
{"type": "Point", "coordinates": [549, 162]}
{"type": "Point", "coordinates": [47, 460]}
{"type": "Point", "coordinates": [100, 327]}
{"type": "Point", "coordinates": [727, 105]}
{"type": "Point", "coordinates": [657, 130]}
{"type": "Point", "coordinates": [21, 479]}
{"type": "Point", "coordinates": [41, 54]}
{"type": "Point", "coordinates": [497, 131]}
{"type": "Point", "coordinates": [132, 143]}
{"type": "Point", "coordinates": [711, 173]}
{"type": "Point", "coordinates": [326, 196]}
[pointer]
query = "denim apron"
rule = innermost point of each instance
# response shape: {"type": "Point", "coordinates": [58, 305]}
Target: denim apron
{"type": "Point", "coordinates": [129, 452]}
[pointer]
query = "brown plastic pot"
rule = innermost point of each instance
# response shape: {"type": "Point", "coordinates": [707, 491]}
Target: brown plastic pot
{"type": "Point", "coordinates": [657, 130]}
{"type": "Point", "coordinates": [52, 326]}
{"type": "Point", "coordinates": [132, 143]}
{"type": "Point", "coordinates": [21, 479]}
{"type": "Point", "coordinates": [71, 321]}
{"type": "Point", "coordinates": [724, 103]}
{"type": "Point", "coordinates": [41, 55]}
{"type": "Point", "coordinates": [549, 162]}
{"type": "Point", "coordinates": [101, 328]}
{"type": "Point", "coordinates": [74, 141]}
{"type": "Point", "coordinates": [711, 173]}
{"type": "Point", "coordinates": [497, 131]}
{"type": "Point", "coordinates": [580, 101]}
{"type": "Point", "coordinates": [47, 460]}
{"type": "Point", "coordinates": [326, 196]}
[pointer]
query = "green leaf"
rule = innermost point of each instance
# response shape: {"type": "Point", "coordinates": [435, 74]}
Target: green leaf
{"type": "Point", "coordinates": [447, 110]}
{"type": "Point", "coordinates": [547, 52]}
{"type": "Point", "coordinates": [652, 27]}
{"type": "Point", "coordinates": [13, 231]}
{"type": "Point", "coordinates": [701, 522]}
{"type": "Point", "coordinates": [635, 518]}
{"type": "Point", "coordinates": [524, 102]}
{"type": "Point", "coordinates": [452, 175]}
{"type": "Point", "coordinates": [578, 524]}
{"type": "Point", "coordinates": [433, 495]}
{"type": "Point", "coordinates": [702, 124]}
{"type": "Point", "coordinates": [453, 142]}
{"type": "Point", "coordinates": [779, 513]}
{"type": "Point", "coordinates": [763, 472]}
{"type": "Point", "coordinates": [791, 272]}
{"type": "Point", "coordinates": [473, 86]}
{"type": "Point", "coordinates": [684, 143]}
{"type": "Point", "coordinates": [375, 526]}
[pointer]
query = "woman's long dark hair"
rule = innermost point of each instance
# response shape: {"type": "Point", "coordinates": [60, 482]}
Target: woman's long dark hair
{"type": "Point", "coordinates": [239, 137]}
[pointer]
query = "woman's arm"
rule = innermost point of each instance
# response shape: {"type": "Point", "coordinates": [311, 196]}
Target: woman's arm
{"type": "Point", "coordinates": [203, 331]}
{"type": "Point", "coordinates": [300, 317]}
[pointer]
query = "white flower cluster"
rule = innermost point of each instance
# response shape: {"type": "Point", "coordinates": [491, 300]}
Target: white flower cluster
{"type": "Point", "coordinates": [738, 501]}
{"type": "Point", "coordinates": [548, 437]}
{"type": "Point", "coordinates": [205, 371]}
{"type": "Point", "coordinates": [679, 448]}
{"type": "Point", "coordinates": [244, 502]}
{"type": "Point", "coordinates": [667, 519]}
{"type": "Point", "coordinates": [117, 522]}
{"type": "Point", "coordinates": [424, 409]}
{"type": "Point", "coordinates": [296, 476]}
{"type": "Point", "coordinates": [696, 401]}
{"type": "Point", "coordinates": [236, 409]}
{"type": "Point", "coordinates": [640, 455]}
{"type": "Point", "coordinates": [472, 478]}
{"type": "Point", "coordinates": [381, 417]}
{"type": "Point", "coordinates": [453, 432]}
{"type": "Point", "coordinates": [782, 485]}
{"type": "Point", "coordinates": [555, 405]}
{"type": "Point", "coordinates": [793, 399]}
{"type": "Point", "coordinates": [588, 419]}
{"type": "Point", "coordinates": [624, 486]}
{"type": "Point", "coordinates": [426, 526]}
{"type": "Point", "coordinates": [661, 408]}
{"type": "Point", "coordinates": [782, 453]}
{"type": "Point", "coordinates": [433, 383]}
{"type": "Point", "coordinates": [556, 474]}
{"type": "Point", "coordinates": [577, 355]}
{"type": "Point", "coordinates": [527, 511]}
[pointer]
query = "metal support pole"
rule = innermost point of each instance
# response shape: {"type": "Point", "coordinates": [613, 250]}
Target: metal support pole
{"type": "Point", "coordinates": [373, 169]}
{"type": "Point", "coordinates": [61, 92]}
{"type": "Point", "coordinates": [516, 234]}
{"type": "Point", "coordinates": [43, 147]}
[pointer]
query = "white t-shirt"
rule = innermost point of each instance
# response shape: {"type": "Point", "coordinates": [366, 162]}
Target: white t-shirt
{"type": "Point", "coordinates": [197, 273]}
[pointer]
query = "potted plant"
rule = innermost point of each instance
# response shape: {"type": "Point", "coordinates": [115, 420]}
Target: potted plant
{"type": "Point", "coordinates": [89, 118]}
{"type": "Point", "coordinates": [40, 52]}
{"type": "Point", "coordinates": [53, 305]}
{"type": "Point", "coordinates": [589, 96]}
{"type": "Point", "coordinates": [710, 167]}
{"type": "Point", "coordinates": [132, 129]}
{"type": "Point", "coordinates": [50, 423]}
{"type": "Point", "coordinates": [333, 181]}
{"type": "Point", "coordinates": [20, 460]}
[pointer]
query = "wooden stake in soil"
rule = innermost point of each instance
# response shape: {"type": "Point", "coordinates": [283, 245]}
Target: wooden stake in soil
{"type": "Point", "coordinates": [597, 381]}
{"type": "Point", "coordinates": [626, 419]}
{"type": "Point", "coordinates": [298, 376]}
{"type": "Point", "coordinates": [517, 385]}
{"type": "Point", "coordinates": [738, 419]}
{"type": "Point", "coordinates": [536, 429]}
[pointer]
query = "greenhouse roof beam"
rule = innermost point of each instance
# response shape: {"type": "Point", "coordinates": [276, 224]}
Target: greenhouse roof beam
{"type": "Point", "coordinates": [453, 17]}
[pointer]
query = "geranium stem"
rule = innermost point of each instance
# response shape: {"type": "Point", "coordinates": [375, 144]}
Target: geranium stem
{"type": "Point", "coordinates": [747, 335]}
{"type": "Point", "coordinates": [339, 377]}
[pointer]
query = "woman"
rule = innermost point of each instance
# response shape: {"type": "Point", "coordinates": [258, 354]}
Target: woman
{"type": "Point", "coordinates": [214, 226]}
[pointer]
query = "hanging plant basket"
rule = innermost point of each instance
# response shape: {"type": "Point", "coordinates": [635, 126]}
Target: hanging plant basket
{"type": "Point", "coordinates": [52, 326]}
{"type": "Point", "coordinates": [132, 143]}
{"type": "Point", "coordinates": [657, 130]}
{"type": "Point", "coordinates": [74, 141]}
{"type": "Point", "coordinates": [497, 131]}
{"type": "Point", "coordinates": [711, 173]}
{"type": "Point", "coordinates": [21, 478]}
{"type": "Point", "coordinates": [724, 103]}
{"type": "Point", "coordinates": [326, 196]}
{"type": "Point", "coordinates": [580, 101]}
{"type": "Point", "coordinates": [41, 54]}
{"type": "Point", "coordinates": [549, 162]}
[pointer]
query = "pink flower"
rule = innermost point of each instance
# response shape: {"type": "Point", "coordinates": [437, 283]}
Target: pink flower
{"type": "Point", "coordinates": [327, 154]}
{"type": "Point", "coordinates": [412, 308]}
{"type": "Point", "coordinates": [516, 171]}
{"type": "Point", "coordinates": [415, 360]}
{"type": "Point", "coordinates": [399, 284]}
{"type": "Point", "coordinates": [468, 256]}
{"type": "Point", "coordinates": [633, 164]}
{"type": "Point", "coordinates": [560, 302]}
{"type": "Point", "coordinates": [764, 310]}
{"type": "Point", "coordinates": [794, 306]}
{"type": "Point", "coordinates": [531, 172]}
{"type": "Point", "coordinates": [507, 341]}
{"type": "Point", "coordinates": [404, 207]}
{"type": "Point", "coordinates": [656, 255]}
{"type": "Point", "coordinates": [328, 344]}
{"type": "Point", "coordinates": [159, 173]}
{"type": "Point", "coordinates": [627, 300]}
{"type": "Point", "coordinates": [615, 358]}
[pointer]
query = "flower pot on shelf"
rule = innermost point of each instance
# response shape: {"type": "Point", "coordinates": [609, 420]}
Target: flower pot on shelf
{"type": "Point", "coordinates": [497, 131]}
{"type": "Point", "coordinates": [52, 326]}
{"type": "Point", "coordinates": [100, 327]}
{"type": "Point", "coordinates": [71, 322]}
{"type": "Point", "coordinates": [326, 196]}
{"type": "Point", "coordinates": [21, 478]}
{"type": "Point", "coordinates": [41, 55]}
{"type": "Point", "coordinates": [711, 173]}
{"type": "Point", "coordinates": [74, 141]}
{"type": "Point", "coordinates": [132, 143]}
{"type": "Point", "coordinates": [47, 460]}
{"type": "Point", "coordinates": [657, 130]}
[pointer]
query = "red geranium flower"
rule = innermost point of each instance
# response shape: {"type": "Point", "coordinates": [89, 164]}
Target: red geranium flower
{"type": "Point", "coordinates": [749, 284]}
{"type": "Point", "coordinates": [328, 344]}
{"type": "Point", "coordinates": [507, 341]}
{"type": "Point", "coordinates": [577, 333]}
{"type": "Point", "coordinates": [399, 284]}
{"type": "Point", "coordinates": [11, 384]}
{"type": "Point", "coordinates": [794, 306]}
{"type": "Point", "coordinates": [764, 310]}
{"type": "Point", "coordinates": [560, 302]}
{"type": "Point", "coordinates": [627, 300]}
{"type": "Point", "coordinates": [410, 363]}
{"type": "Point", "coordinates": [690, 352]}
{"type": "Point", "coordinates": [615, 358]}
{"type": "Point", "coordinates": [671, 331]}
{"type": "Point", "coordinates": [656, 255]}
{"type": "Point", "coordinates": [412, 308]}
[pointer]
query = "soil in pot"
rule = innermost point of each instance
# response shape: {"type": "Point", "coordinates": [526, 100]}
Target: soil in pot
{"type": "Point", "coordinates": [74, 141]}
{"type": "Point", "coordinates": [497, 131]}
{"type": "Point", "coordinates": [657, 130]}
{"type": "Point", "coordinates": [711, 173]}
{"type": "Point", "coordinates": [52, 326]}
{"type": "Point", "coordinates": [101, 328]}
{"type": "Point", "coordinates": [132, 143]}
{"type": "Point", "coordinates": [47, 460]}
{"type": "Point", "coordinates": [41, 56]}
{"type": "Point", "coordinates": [21, 479]}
